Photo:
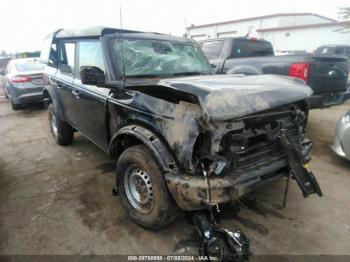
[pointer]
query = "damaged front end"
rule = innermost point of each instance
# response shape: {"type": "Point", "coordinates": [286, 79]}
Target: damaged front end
{"type": "Point", "coordinates": [229, 124]}
{"type": "Point", "coordinates": [245, 154]}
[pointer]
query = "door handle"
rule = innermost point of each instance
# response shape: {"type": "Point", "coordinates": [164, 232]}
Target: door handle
{"type": "Point", "coordinates": [76, 94]}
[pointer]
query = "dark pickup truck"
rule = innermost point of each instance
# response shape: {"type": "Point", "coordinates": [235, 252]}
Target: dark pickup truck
{"type": "Point", "coordinates": [326, 75]}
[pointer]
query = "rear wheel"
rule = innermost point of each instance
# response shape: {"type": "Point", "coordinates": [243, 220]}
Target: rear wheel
{"type": "Point", "coordinates": [142, 189]}
{"type": "Point", "coordinates": [61, 130]}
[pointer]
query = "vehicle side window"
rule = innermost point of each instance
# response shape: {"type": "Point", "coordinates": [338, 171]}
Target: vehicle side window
{"type": "Point", "coordinates": [348, 51]}
{"type": "Point", "coordinates": [90, 54]}
{"type": "Point", "coordinates": [66, 58]}
{"type": "Point", "coordinates": [251, 48]}
{"type": "Point", "coordinates": [53, 54]}
{"type": "Point", "coordinates": [339, 50]}
{"type": "Point", "coordinates": [8, 68]}
{"type": "Point", "coordinates": [212, 49]}
{"type": "Point", "coordinates": [49, 52]}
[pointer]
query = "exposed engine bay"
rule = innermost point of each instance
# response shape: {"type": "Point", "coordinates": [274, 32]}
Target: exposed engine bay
{"type": "Point", "coordinates": [248, 152]}
{"type": "Point", "coordinates": [252, 143]}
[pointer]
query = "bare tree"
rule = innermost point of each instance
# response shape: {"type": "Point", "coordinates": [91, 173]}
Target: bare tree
{"type": "Point", "coordinates": [344, 13]}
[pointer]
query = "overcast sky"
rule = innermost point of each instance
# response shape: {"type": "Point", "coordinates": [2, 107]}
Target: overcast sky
{"type": "Point", "coordinates": [24, 23]}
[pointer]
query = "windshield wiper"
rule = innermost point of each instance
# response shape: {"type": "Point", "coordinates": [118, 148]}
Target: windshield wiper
{"type": "Point", "coordinates": [169, 75]}
{"type": "Point", "coordinates": [192, 73]}
{"type": "Point", "coordinates": [145, 75]}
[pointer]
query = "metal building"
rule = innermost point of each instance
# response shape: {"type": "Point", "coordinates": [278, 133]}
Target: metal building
{"type": "Point", "coordinates": [286, 31]}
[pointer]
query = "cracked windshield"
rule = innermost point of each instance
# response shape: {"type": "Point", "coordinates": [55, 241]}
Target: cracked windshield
{"type": "Point", "coordinates": [158, 58]}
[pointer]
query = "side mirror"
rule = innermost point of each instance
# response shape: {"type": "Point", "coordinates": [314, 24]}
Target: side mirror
{"type": "Point", "coordinates": [92, 75]}
{"type": "Point", "coordinates": [2, 72]}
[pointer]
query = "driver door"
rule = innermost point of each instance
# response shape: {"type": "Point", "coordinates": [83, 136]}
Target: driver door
{"type": "Point", "coordinates": [91, 100]}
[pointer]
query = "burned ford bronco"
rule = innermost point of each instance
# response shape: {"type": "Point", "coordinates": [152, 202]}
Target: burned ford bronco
{"type": "Point", "coordinates": [152, 103]}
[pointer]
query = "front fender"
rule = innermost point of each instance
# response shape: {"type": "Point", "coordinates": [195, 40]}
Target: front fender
{"type": "Point", "coordinates": [50, 96]}
{"type": "Point", "coordinates": [151, 141]}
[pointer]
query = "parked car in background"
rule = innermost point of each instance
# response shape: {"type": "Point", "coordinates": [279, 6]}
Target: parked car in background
{"type": "Point", "coordinates": [23, 81]}
{"type": "Point", "coordinates": [334, 50]}
{"type": "Point", "coordinates": [326, 75]}
{"type": "Point", "coordinates": [341, 144]}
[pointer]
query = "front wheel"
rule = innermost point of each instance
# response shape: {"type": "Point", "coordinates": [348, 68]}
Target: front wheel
{"type": "Point", "coordinates": [61, 130]}
{"type": "Point", "coordinates": [142, 189]}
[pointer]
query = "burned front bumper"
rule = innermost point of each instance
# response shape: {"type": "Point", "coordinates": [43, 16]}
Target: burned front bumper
{"type": "Point", "coordinates": [190, 192]}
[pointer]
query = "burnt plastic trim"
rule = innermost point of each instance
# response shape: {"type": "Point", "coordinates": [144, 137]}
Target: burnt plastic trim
{"type": "Point", "coordinates": [151, 141]}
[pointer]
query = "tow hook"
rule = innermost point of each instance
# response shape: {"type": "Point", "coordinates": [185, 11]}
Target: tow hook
{"type": "Point", "coordinates": [218, 243]}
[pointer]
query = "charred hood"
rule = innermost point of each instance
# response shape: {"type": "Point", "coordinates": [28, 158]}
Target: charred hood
{"type": "Point", "coordinates": [224, 97]}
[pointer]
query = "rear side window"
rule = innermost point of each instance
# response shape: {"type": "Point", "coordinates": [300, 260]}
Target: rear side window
{"type": "Point", "coordinates": [251, 48]}
{"type": "Point", "coordinates": [67, 57]}
{"type": "Point", "coordinates": [90, 54]}
{"type": "Point", "coordinates": [212, 49]}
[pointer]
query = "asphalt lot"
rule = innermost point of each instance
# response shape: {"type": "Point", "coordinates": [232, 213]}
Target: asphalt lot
{"type": "Point", "coordinates": [58, 200]}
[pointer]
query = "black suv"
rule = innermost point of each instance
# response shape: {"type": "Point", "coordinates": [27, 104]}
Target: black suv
{"type": "Point", "coordinates": [152, 103]}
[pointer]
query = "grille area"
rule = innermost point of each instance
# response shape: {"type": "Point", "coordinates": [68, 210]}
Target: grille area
{"type": "Point", "coordinates": [253, 149]}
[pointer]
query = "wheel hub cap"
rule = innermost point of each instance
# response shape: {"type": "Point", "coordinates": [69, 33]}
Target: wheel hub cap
{"type": "Point", "coordinates": [139, 190]}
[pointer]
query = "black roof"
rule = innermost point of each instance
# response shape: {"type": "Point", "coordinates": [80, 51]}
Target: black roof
{"type": "Point", "coordinates": [98, 31]}
{"type": "Point", "coordinates": [94, 31]}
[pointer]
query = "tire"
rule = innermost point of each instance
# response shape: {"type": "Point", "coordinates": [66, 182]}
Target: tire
{"type": "Point", "coordinates": [61, 130]}
{"type": "Point", "coordinates": [15, 106]}
{"type": "Point", "coordinates": [137, 163]}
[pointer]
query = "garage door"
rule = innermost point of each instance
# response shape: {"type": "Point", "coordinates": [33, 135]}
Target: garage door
{"type": "Point", "coordinates": [199, 37]}
{"type": "Point", "coordinates": [227, 34]}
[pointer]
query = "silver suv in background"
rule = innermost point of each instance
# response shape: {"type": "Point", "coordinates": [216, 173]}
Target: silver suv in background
{"type": "Point", "coordinates": [23, 81]}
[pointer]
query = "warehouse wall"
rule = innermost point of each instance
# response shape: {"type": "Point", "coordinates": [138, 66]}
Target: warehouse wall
{"type": "Point", "coordinates": [300, 20]}
{"type": "Point", "coordinates": [307, 39]}
{"type": "Point", "coordinates": [242, 28]}
{"type": "Point", "coordinates": [231, 29]}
